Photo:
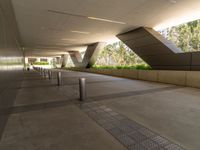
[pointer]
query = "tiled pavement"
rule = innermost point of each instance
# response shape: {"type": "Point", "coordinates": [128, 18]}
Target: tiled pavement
{"type": "Point", "coordinates": [131, 134]}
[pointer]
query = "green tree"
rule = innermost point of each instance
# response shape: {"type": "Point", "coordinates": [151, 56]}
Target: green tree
{"type": "Point", "coordinates": [186, 36]}
{"type": "Point", "coordinates": [118, 54]}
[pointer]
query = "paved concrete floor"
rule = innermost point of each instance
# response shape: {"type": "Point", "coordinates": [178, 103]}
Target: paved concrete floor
{"type": "Point", "coordinates": [46, 116]}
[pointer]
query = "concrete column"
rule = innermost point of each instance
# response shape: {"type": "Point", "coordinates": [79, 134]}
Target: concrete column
{"type": "Point", "coordinates": [49, 60]}
{"type": "Point", "coordinates": [92, 53]}
{"type": "Point", "coordinates": [156, 50]}
{"type": "Point", "coordinates": [37, 59]}
{"type": "Point", "coordinates": [26, 60]}
{"type": "Point", "coordinates": [76, 58]}
{"type": "Point", "coordinates": [54, 62]}
{"type": "Point", "coordinates": [90, 56]}
{"type": "Point", "coordinates": [58, 60]}
{"type": "Point", "coordinates": [64, 59]}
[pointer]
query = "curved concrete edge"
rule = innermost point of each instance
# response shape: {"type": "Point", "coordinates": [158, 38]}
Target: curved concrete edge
{"type": "Point", "coordinates": [181, 78]}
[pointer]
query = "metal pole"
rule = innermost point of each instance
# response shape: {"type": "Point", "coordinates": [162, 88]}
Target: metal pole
{"type": "Point", "coordinates": [44, 73]}
{"type": "Point", "coordinates": [40, 71]}
{"type": "Point", "coordinates": [59, 78]}
{"type": "Point", "coordinates": [82, 89]}
{"type": "Point", "coordinates": [50, 74]}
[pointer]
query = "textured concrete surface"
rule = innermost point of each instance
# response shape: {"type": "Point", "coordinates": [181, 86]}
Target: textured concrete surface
{"type": "Point", "coordinates": [46, 116]}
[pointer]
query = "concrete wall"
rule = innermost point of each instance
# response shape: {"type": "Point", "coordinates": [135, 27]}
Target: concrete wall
{"type": "Point", "coordinates": [11, 61]}
{"type": "Point", "coordinates": [182, 78]}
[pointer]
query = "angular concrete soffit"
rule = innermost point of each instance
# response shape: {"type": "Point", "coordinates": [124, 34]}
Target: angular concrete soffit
{"type": "Point", "coordinates": [159, 52]}
{"type": "Point", "coordinates": [165, 41]}
{"type": "Point", "coordinates": [154, 34]}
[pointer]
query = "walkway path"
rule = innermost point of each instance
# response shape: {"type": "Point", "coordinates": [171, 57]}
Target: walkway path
{"type": "Point", "coordinates": [119, 114]}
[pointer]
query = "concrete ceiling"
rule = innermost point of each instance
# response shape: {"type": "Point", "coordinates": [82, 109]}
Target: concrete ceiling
{"type": "Point", "coordinates": [66, 25]}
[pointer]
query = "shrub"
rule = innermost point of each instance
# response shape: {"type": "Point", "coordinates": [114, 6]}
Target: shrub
{"type": "Point", "coordinates": [136, 67]}
{"type": "Point", "coordinates": [41, 63]}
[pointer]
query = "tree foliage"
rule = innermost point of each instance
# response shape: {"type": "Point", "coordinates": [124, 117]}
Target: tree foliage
{"type": "Point", "coordinates": [185, 36]}
{"type": "Point", "coordinates": [118, 54]}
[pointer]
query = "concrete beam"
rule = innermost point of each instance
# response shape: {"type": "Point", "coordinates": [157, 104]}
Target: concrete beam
{"type": "Point", "coordinates": [158, 52]}
{"type": "Point", "coordinates": [89, 57]}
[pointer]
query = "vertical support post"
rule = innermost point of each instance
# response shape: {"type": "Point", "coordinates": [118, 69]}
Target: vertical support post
{"type": "Point", "coordinates": [44, 73]}
{"type": "Point", "coordinates": [59, 78]}
{"type": "Point", "coordinates": [40, 71]}
{"type": "Point", "coordinates": [82, 89]}
{"type": "Point", "coordinates": [49, 74]}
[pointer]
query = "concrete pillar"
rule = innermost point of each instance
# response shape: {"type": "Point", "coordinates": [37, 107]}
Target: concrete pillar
{"type": "Point", "coordinates": [92, 53]}
{"type": "Point", "coordinates": [58, 60]}
{"type": "Point", "coordinates": [64, 59]}
{"type": "Point", "coordinates": [90, 56]}
{"type": "Point", "coordinates": [26, 60]}
{"type": "Point", "coordinates": [37, 59]}
{"type": "Point", "coordinates": [76, 58]}
{"type": "Point", "coordinates": [49, 60]}
{"type": "Point", "coordinates": [54, 62]}
{"type": "Point", "coordinates": [156, 50]}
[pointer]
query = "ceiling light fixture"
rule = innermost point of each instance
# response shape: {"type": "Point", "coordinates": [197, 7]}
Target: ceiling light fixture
{"type": "Point", "coordinates": [69, 39]}
{"type": "Point", "coordinates": [80, 32]}
{"type": "Point", "coordinates": [82, 16]}
{"type": "Point", "coordinates": [62, 44]}
{"type": "Point", "coordinates": [65, 13]}
{"type": "Point", "coordinates": [106, 20]}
